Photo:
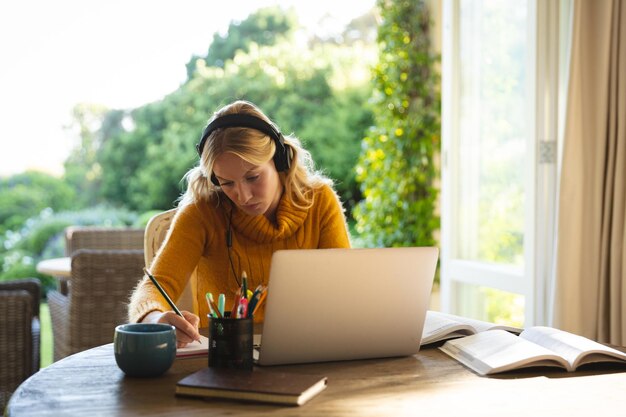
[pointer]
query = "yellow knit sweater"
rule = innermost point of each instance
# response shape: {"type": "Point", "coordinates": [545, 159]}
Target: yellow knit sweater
{"type": "Point", "coordinates": [197, 239]}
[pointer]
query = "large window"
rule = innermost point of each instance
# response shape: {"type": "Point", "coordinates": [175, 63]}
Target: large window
{"type": "Point", "coordinates": [496, 190]}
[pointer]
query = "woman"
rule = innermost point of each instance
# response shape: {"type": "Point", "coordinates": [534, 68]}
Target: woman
{"type": "Point", "coordinates": [254, 192]}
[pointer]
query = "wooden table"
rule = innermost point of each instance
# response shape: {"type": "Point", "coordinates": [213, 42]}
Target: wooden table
{"type": "Point", "coordinates": [427, 384]}
{"type": "Point", "coordinates": [59, 268]}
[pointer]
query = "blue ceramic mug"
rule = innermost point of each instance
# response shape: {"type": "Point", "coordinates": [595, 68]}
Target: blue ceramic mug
{"type": "Point", "coordinates": [144, 349]}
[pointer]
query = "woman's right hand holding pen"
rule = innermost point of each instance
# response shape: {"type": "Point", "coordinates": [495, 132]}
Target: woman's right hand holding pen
{"type": "Point", "coordinates": [186, 326]}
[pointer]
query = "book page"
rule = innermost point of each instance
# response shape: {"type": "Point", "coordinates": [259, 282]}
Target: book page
{"type": "Point", "coordinates": [498, 351]}
{"type": "Point", "coordinates": [438, 326]}
{"type": "Point", "coordinates": [573, 348]}
{"type": "Point", "coordinates": [194, 348]}
{"type": "Point", "coordinates": [479, 325]}
{"type": "Point", "coordinates": [441, 326]}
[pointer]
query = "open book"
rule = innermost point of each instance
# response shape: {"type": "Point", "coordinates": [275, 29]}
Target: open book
{"type": "Point", "coordinates": [441, 326]}
{"type": "Point", "coordinates": [499, 351]}
{"type": "Point", "coordinates": [194, 349]}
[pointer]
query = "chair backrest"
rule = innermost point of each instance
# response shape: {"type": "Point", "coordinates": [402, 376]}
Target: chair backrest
{"type": "Point", "coordinates": [156, 232]}
{"type": "Point", "coordinates": [102, 282]}
{"type": "Point", "coordinates": [88, 237]}
{"type": "Point", "coordinates": [19, 334]}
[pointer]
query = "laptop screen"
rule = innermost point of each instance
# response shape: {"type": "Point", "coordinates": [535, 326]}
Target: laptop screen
{"type": "Point", "coordinates": [344, 304]}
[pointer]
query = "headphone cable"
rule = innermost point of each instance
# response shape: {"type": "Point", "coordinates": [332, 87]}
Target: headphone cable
{"type": "Point", "coordinates": [229, 244]}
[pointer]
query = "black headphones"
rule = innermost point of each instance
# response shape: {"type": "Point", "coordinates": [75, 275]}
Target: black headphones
{"type": "Point", "coordinates": [282, 156]}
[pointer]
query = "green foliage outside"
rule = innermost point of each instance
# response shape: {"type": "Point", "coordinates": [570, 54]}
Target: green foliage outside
{"type": "Point", "coordinates": [41, 237]}
{"type": "Point", "coordinates": [267, 26]}
{"type": "Point", "coordinates": [503, 307]}
{"type": "Point", "coordinates": [397, 168]}
{"type": "Point", "coordinates": [82, 171]}
{"type": "Point", "coordinates": [493, 116]}
{"type": "Point", "coordinates": [25, 195]}
{"type": "Point", "coordinates": [318, 92]}
{"type": "Point", "coordinates": [503, 119]}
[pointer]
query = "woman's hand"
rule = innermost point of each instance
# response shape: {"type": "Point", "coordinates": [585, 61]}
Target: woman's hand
{"type": "Point", "coordinates": [186, 326]}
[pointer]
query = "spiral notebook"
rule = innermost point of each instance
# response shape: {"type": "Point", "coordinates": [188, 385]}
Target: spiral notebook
{"type": "Point", "coordinates": [343, 304]}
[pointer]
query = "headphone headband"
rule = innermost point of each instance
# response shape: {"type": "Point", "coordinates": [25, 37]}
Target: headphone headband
{"type": "Point", "coordinates": [282, 158]}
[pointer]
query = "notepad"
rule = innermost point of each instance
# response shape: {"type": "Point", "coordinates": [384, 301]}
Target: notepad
{"type": "Point", "coordinates": [194, 348]}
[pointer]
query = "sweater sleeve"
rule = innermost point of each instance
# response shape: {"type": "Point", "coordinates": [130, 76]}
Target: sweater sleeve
{"type": "Point", "coordinates": [173, 264]}
{"type": "Point", "coordinates": [333, 226]}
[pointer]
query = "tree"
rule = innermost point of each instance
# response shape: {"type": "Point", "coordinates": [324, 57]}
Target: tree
{"type": "Point", "coordinates": [334, 139]}
{"type": "Point", "coordinates": [25, 195]}
{"type": "Point", "coordinates": [82, 170]}
{"type": "Point", "coordinates": [397, 169]}
{"type": "Point", "coordinates": [266, 26]}
{"type": "Point", "coordinates": [125, 151]}
{"type": "Point", "coordinates": [142, 167]}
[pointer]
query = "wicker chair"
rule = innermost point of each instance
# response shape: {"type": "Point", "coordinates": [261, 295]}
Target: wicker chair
{"type": "Point", "coordinates": [90, 237]}
{"type": "Point", "coordinates": [87, 237]}
{"type": "Point", "coordinates": [19, 334]}
{"type": "Point", "coordinates": [156, 231]}
{"type": "Point", "coordinates": [101, 283]}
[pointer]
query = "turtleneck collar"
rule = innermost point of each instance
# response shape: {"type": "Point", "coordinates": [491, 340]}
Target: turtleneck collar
{"type": "Point", "coordinates": [259, 229]}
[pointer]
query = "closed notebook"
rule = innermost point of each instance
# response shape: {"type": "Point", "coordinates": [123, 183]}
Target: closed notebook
{"type": "Point", "coordinates": [257, 385]}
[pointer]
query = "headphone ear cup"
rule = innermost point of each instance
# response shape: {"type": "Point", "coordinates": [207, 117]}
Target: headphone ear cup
{"type": "Point", "coordinates": [282, 156]}
{"type": "Point", "coordinates": [288, 157]}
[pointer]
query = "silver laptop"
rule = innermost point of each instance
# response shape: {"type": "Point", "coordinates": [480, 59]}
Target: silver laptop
{"type": "Point", "coordinates": [344, 304]}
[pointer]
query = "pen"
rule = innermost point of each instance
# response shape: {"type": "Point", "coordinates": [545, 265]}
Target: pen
{"type": "Point", "coordinates": [208, 302]}
{"type": "Point", "coordinates": [215, 312]}
{"type": "Point", "coordinates": [254, 299]}
{"type": "Point", "coordinates": [242, 309]}
{"type": "Point", "coordinates": [262, 297]}
{"type": "Point", "coordinates": [233, 311]}
{"type": "Point", "coordinates": [244, 284]}
{"type": "Point", "coordinates": [221, 303]}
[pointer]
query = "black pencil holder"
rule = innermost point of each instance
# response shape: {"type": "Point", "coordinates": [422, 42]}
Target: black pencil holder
{"type": "Point", "coordinates": [230, 343]}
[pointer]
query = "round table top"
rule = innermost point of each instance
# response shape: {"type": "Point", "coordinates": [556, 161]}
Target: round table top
{"type": "Point", "coordinates": [89, 383]}
{"type": "Point", "coordinates": [57, 267]}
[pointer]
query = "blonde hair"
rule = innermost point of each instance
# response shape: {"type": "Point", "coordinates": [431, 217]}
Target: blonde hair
{"type": "Point", "coordinates": [256, 148]}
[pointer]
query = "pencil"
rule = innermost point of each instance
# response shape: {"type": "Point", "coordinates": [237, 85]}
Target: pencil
{"type": "Point", "coordinates": [163, 293]}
